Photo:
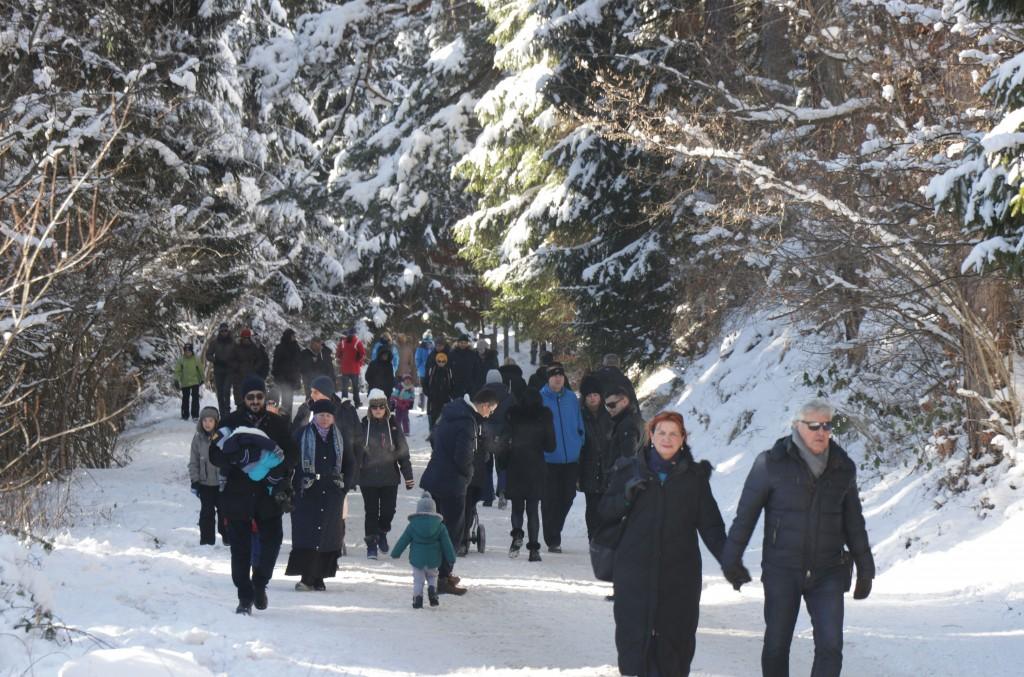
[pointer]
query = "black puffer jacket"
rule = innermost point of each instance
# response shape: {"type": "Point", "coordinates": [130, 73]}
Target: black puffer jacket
{"type": "Point", "coordinates": [629, 435]}
{"type": "Point", "coordinates": [808, 522]}
{"type": "Point", "coordinates": [657, 570]}
{"type": "Point", "coordinates": [387, 453]}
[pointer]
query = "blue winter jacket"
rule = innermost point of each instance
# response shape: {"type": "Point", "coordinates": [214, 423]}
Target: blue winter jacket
{"type": "Point", "coordinates": [394, 354]}
{"type": "Point", "coordinates": [569, 428]}
{"type": "Point", "coordinates": [422, 353]}
{"type": "Point", "coordinates": [453, 442]}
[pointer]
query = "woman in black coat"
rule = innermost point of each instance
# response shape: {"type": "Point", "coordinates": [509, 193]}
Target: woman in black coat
{"type": "Point", "coordinates": [380, 373]}
{"type": "Point", "coordinates": [530, 433]}
{"type": "Point", "coordinates": [666, 499]}
{"type": "Point", "coordinates": [325, 473]}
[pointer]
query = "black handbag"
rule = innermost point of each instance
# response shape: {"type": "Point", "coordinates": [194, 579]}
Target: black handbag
{"type": "Point", "coordinates": [603, 546]}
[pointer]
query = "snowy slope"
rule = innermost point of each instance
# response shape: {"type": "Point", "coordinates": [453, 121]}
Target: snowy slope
{"type": "Point", "coordinates": [129, 572]}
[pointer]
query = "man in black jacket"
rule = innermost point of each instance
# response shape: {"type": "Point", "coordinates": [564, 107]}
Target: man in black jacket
{"type": "Point", "coordinates": [814, 533]}
{"type": "Point", "coordinates": [286, 370]}
{"type": "Point", "coordinates": [610, 376]}
{"type": "Point", "coordinates": [247, 357]}
{"type": "Point", "coordinates": [316, 360]}
{"type": "Point", "coordinates": [246, 498]}
{"type": "Point", "coordinates": [467, 368]}
{"type": "Point", "coordinates": [220, 352]}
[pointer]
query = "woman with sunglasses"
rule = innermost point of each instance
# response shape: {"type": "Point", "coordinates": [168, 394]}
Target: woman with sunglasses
{"type": "Point", "coordinates": [665, 498]}
{"type": "Point", "coordinates": [385, 464]}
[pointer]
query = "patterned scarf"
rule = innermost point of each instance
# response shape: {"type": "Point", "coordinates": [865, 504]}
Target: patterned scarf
{"type": "Point", "coordinates": [308, 448]}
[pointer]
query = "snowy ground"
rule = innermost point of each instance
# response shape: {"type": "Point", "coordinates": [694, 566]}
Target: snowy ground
{"type": "Point", "coordinates": [949, 599]}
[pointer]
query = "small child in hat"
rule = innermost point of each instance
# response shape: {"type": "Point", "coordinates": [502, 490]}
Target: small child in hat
{"type": "Point", "coordinates": [430, 546]}
{"type": "Point", "coordinates": [404, 397]}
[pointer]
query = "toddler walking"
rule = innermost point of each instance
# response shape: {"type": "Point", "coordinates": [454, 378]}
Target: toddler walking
{"type": "Point", "coordinates": [404, 397]}
{"type": "Point", "coordinates": [430, 546]}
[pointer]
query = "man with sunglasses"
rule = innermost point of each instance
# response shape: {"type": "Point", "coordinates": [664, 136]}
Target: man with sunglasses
{"type": "Point", "coordinates": [246, 498]}
{"type": "Point", "coordinates": [629, 432]}
{"type": "Point", "coordinates": [813, 535]}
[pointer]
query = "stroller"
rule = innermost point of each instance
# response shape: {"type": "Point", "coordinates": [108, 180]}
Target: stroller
{"type": "Point", "coordinates": [475, 534]}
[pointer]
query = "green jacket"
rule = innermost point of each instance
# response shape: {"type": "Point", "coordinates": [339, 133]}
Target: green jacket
{"type": "Point", "coordinates": [429, 539]}
{"type": "Point", "coordinates": [187, 372]}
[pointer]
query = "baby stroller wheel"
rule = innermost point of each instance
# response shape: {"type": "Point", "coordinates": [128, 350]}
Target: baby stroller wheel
{"type": "Point", "coordinates": [481, 538]}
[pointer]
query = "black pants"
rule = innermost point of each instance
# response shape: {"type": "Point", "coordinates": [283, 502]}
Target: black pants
{"type": "Point", "coordinates": [472, 498]}
{"type": "Point", "coordinates": [210, 519]}
{"type": "Point", "coordinates": [530, 506]}
{"type": "Point", "coordinates": [379, 504]}
{"type": "Point", "coordinates": [559, 493]}
{"type": "Point", "coordinates": [192, 392]}
{"type": "Point", "coordinates": [593, 521]}
{"type": "Point", "coordinates": [453, 510]}
{"type": "Point", "coordinates": [783, 589]}
{"type": "Point", "coordinates": [246, 574]}
{"type": "Point", "coordinates": [222, 381]}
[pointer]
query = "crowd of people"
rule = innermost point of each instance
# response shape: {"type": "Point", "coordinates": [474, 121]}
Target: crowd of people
{"type": "Point", "coordinates": [530, 444]}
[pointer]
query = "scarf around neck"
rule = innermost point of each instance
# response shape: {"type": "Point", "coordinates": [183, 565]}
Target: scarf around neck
{"type": "Point", "coordinates": [815, 462]}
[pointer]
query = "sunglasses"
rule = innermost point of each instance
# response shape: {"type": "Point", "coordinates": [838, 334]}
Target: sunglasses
{"type": "Point", "coordinates": [378, 406]}
{"type": "Point", "coordinates": [612, 404]}
{"type": "Point", "coordinates": [254, 398]}
{"type": "Point", "coordinates": [815, 426]}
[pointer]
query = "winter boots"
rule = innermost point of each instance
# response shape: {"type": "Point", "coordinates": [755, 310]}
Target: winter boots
{"type": "Point", "coordinates": [517, 543]}
{"type": "Point", "coordinates": [417, 601]}
{"type": "Point", "coordinates": [432, 595]}
{"type": "Point", "coordinates": [535, 553]}
{"type": "Point", "coordinates": [371, 547]}
{"type": "Point", "coordinates": [244, 608]}
{"type": "Point", "coordinates": [447, 586]}
{"type": "Point", "coordinates": [382, 542]}
{"type": "Point", "coordinates": [259, 599]}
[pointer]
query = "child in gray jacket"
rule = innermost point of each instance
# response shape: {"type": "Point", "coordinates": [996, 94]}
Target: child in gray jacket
{"type": "Point", "coordinates": [205, 478]}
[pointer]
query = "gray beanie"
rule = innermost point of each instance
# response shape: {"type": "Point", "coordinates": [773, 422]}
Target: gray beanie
{"type": "Point", "coordinates": [493, 376]}
{"type": "Point", "coordinates": [425, 506]}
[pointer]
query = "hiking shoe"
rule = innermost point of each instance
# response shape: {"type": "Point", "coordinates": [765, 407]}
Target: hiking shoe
{"type": "Point", "coordinates": [432, 595]}
{"type": "Point", "coordinates": [535, 555]}
{"type": "Point", "coordinates": [302, 587]}
{"type": "Point", "coordinates": [382, 543]}
{"type": "Point", "coordinates": [259, 599]}
{"type": "Point", "coordinates": [454, 579]}
{"type": "Point", "coordinates": [417, 601]}
{"type": "Point", "coordinates": [371, 550]}
{"type": "Point", "coordinates": [445, 586]}
{"type": "Point", "coordinates": [244, 608]}
{"type": "Point", "coordinates": [557, 549]}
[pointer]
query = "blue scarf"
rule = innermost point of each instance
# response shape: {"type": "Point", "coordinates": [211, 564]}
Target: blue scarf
{"type": "Point", "coordinates": [660, 466]}
{"type": "Point", "coordinates": [308, 448]}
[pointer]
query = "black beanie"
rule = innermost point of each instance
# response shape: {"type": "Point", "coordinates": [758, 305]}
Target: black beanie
{"type": "Point", "coordinates": [252, 383]}
{"type": "Point", "coordinates": [322, 407]}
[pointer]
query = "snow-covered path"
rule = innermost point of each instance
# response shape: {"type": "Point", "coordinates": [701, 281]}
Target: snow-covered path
{"type": "Point", "coordinates": [129, 572]}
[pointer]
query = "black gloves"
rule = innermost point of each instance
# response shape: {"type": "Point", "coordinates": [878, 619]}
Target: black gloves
{"type": "Point", "coordinates": [633, 488]}
{"type": "Point", "coordinates": [195, 488]}
{"type": "Point", "coordinates": [282, 495]}
{"type": "Point", "coordinates": [737, 575]}
{"type": "Point", "coordinates": [862, 589]}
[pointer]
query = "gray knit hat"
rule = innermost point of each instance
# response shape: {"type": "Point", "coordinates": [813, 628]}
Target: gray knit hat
{"type": "Point", "coordinates": [493, 376]}
{"type": "Point", "coordinates": [425, 506]}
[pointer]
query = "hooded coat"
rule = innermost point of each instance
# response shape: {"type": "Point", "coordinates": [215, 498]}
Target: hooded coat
{"type": "Point", "coordinates": [381, 372]}
{"type": "Point", "coordinates": [188, 372]}
{"type": "Point", "coordinates": [200, 469]}
{"type": "Point", "coordinates": [529, 435]}
{"type": "Point", "coordinates": [429, 539]}
{"type": "Point", "coordinates": [351, 354]}
{"type": "Point", "coordinates": [467, 371]}
{"type": "Point", "coordinates": [453, 442]}
{"type": "Point", "coordinates": [512, 377]}
{"type": "Point", "coordinates": [386, 460]}
{"type": "Point", "coordinates": [657, 569]}
{"type": "Point", "coordinates": [287, 368]}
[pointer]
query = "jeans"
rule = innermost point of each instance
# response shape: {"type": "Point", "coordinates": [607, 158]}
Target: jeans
{"type": "Point", "coordinates": [530, 506]}
{"type": "Point", "coordinates": [379, 504]}
{"type": "Point", "coordinates": [209, 520]}
{"type": "Point", "coordinates": [346, 380]}
{"type": "Point", "coordinates": [245, 574]}
{"type": "Point", "coordinates": [452, 509]}
{"type": "Point", "coordinates": [192, 392]}
{"type": "Point", "coordinates": [559, 493]}
{"type": "Point", "coordinates": [222, 381]}
{"type": "Point", "coordinates": [823, 595]}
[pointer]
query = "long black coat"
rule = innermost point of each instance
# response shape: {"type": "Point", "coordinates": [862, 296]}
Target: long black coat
{"type": "Point", "coordinates": [316, 513]}
{"type": "Point", "coordinates": [313, 365]}
{"type": "Point", "coordinates": [595, 460]}
{"type": "Point", "coordinates": [346, 417]}
{"type": "Point", "coordinates": [386, 461]}
{"type": "Point", "coordinates": [808, 521]}
{"type": "Point", "coordinates": [512, 377]}
{"type": "Point", "coordinates": [467, 371]}
{"type": "Point", "coordinates": [286, 368]}
{"type": "Point", "coordinates": [529, 433]}
{"type": "Point", "coordinates": [439, 388]}
{"type": "Point", "coordinates": [249, 358]}
{"type": "Point", "coordinates": [242, 498]}
{"type": "Point", "coordinates": [381, 373]}
{"type": "Point", "coordinates": [657, 570]}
